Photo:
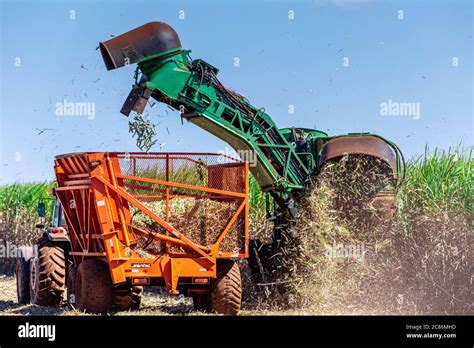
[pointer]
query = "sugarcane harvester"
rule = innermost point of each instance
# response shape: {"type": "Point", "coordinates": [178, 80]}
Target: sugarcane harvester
{"type": "Point", "coordinates": [289, 160]}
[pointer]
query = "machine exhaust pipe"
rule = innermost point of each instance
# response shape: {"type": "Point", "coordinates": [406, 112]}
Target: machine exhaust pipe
{"type": "Point", "coordinates": [148, 40]}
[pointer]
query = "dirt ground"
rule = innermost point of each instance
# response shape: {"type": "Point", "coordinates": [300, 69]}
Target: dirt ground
{"type": "Point", "coordinates": [154, 302]}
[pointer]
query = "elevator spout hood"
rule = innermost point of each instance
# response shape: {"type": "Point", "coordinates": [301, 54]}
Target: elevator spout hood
{"type": "Point", "coordinates": [145, 41]}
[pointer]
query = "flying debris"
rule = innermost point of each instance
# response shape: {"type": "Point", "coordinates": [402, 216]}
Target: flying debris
{"type": "Point", "coordinates": [41, 131]}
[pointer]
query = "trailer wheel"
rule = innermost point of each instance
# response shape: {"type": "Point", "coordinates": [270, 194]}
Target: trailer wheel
{"type": "Point", "coordinates": [71, 286]}
{"type": "Point", "coordinates": [226, 294]}
{"type": "Point", "coordinates": [47, 274]}
{"type": "Point", "coordinates": [93, 286]}
{"type": "Point", "coordinates": [22, 281]}
{"type": "Point", "coordinates": [127, 298]}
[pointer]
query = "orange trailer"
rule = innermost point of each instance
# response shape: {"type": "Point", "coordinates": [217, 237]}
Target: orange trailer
{"type": "Point", "coordinates": [178, 220]}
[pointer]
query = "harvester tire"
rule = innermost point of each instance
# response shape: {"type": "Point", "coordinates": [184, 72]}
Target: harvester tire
{"type": "Point", "coordinates": [129, 298]}
{"type": "Point", "coordinates": [93, 287]}
{"type": "Point", "coordinates": [226, 296]}
{"type": "Point", "coordinates": [47, 274]}
{"type": "Point", "coordinates": [71, 286]}
{"type": "Point", "coordinates": [23, 281]}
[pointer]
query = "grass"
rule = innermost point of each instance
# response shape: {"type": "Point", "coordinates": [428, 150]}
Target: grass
{"type": "Point", "coordinates": [18, 209]}
{"type": "Point", "coordinates": [439, 181]}
{"type": "Point", "coordinates": [18, 215]}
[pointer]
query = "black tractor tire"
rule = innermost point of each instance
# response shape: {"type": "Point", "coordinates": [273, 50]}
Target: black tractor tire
{"type": "Point", "coordinates": [226, 295]}
{"type": "Point", "coordinates": [47, 274]}
{"type": "Point", "coordinates": [128, 297]}
{"type": "Point", "coordinates": [23, 280]}
{"type": "Point", "coordinates": [93, 291]}
{"type": "Point", "coordinates": [71, 286]}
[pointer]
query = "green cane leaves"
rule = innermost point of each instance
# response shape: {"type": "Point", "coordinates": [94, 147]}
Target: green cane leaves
{"type": "Point", "coordinates": [144, 132]}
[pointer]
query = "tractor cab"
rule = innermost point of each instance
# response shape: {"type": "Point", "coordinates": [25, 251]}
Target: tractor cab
{"type": "Point", "coordinates": [57, 229]}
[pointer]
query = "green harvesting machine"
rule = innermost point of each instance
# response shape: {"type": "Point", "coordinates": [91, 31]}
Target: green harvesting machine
{"type": "Point", "coordinates": [289, 160]}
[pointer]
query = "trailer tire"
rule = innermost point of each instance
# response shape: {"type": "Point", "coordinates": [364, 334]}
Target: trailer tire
{"type": "Point", "coordinates": [47, 274]}
{"type": "Point", "coordinates": [71, 286]}
{"type": "Point", "coordinates": [226, 296]}
{"type": "Point", "coordinates": [23, 281]}
{"type": "Point", "coordinates": [131, 298]}
{"type": "Point", "coordinates": [93, 291]}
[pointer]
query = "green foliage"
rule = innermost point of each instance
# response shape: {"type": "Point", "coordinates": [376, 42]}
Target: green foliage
{"type": "Point", "coordinates": [18, 198]}
{"type": "Point", "coordinates": [144, 131]}
{"type": "Point", "coordinates": [439, 181]}
{"type": "Point", "coordinates": [256, 196]}
{"type": "Point", "coordinates": [18, 209]}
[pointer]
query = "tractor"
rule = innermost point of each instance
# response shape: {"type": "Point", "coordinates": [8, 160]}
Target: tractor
{"type": "Point", "coordinates": [123, 221]}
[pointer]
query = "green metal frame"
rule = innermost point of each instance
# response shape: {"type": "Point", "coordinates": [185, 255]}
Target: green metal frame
{"type": "Point", "coordinates": [192, 86]}
{"type": "Point", "coordinates": [176, 77]}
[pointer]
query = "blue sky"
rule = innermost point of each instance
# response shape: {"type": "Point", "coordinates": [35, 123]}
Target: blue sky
{"type": "Point", "coordinates": [283, 62]}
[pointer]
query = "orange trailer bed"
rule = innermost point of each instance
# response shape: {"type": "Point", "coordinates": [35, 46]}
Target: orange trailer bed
{"type": "Point", "coordinates": [156, 218]}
